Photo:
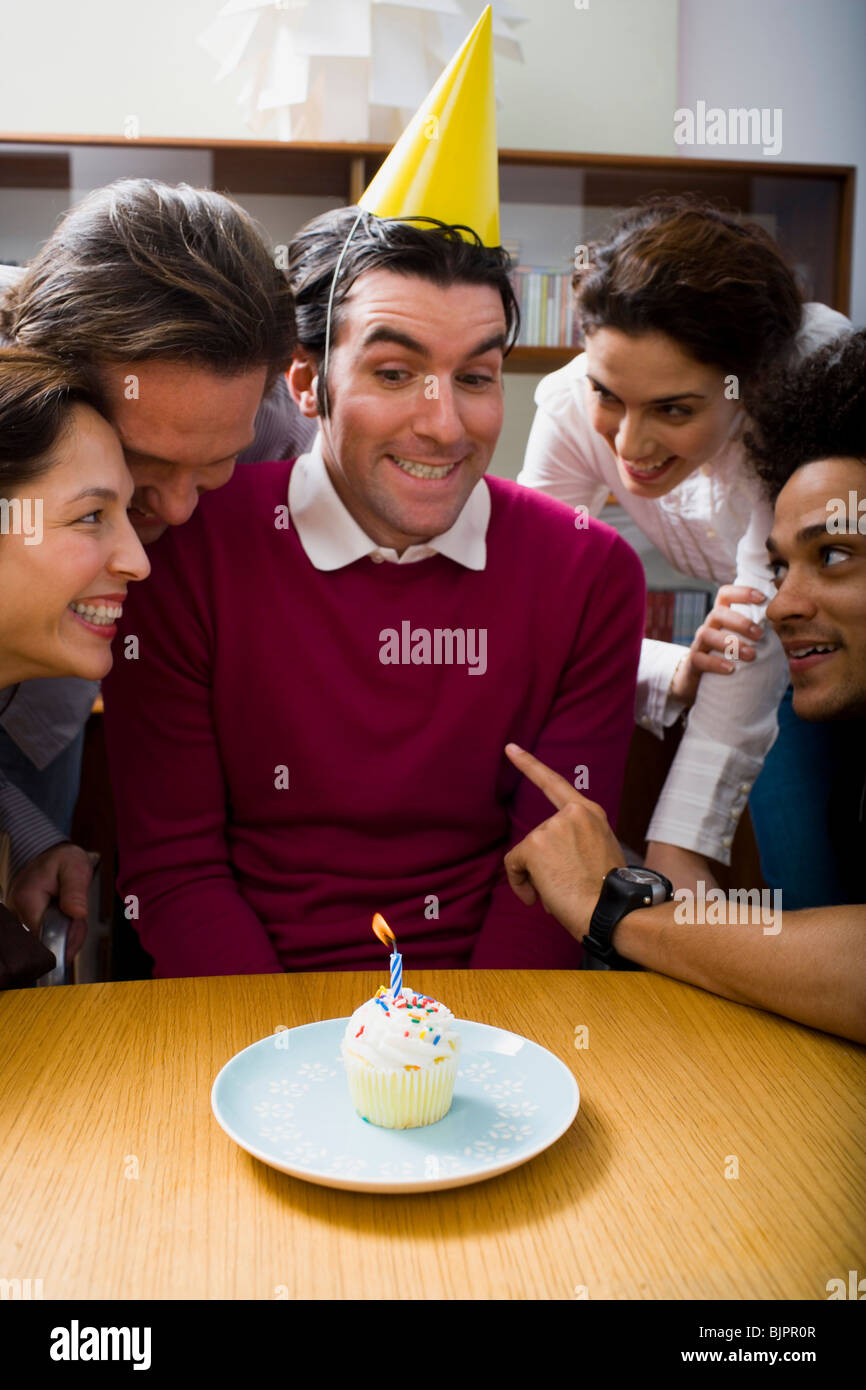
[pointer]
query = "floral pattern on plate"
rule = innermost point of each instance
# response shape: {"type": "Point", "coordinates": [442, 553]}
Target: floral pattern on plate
{"type": "Point", "coordinates": [285, 1100]}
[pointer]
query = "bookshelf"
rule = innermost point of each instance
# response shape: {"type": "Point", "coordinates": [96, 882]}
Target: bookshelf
{"type": "Point", "coordinates": [550, 201]}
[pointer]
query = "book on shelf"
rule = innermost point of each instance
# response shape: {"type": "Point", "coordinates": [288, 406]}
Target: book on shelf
{"type": "Point", "coordinates": [674, 615]}
{"type": "Point", "coordinates": [547, 317]}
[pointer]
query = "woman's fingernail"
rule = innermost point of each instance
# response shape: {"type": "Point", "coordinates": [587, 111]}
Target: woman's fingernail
{"type": "Point", "coordinates": [755, 631]}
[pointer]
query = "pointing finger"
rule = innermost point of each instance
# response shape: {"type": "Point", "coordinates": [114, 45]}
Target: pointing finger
{"type": "Point", "coordinates": [555, 788]}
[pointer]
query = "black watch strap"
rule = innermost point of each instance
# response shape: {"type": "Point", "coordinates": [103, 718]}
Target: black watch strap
{"type": "Point", "coordinates": [622, 892]}
{"type": "Point", "coordinates": [597, 941]}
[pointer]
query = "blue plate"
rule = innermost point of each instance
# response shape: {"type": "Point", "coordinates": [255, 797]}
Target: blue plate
{"type": "Point", "coordinates": [286, 1101]}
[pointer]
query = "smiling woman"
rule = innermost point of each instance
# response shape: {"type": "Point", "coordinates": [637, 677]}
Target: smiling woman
{"type": "Point", "coordinates": [67, 552]}
{"type": "Point", "coordinates": [685, 310]}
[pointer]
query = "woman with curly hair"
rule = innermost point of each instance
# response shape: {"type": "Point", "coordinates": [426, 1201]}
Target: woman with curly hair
{"type": "Point", "coordinates": [683, 309]}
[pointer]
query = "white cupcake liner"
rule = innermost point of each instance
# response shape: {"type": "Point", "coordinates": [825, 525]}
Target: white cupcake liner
{"type": "Point", "coordinates": [401, 1099]}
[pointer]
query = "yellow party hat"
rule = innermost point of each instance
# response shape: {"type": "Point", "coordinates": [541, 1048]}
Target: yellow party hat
{"type": "Point", "coordinates": [444, 165]}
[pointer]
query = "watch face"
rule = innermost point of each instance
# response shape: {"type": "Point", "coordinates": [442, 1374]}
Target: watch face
{"type": "Point", "coordinates": [638, 875]}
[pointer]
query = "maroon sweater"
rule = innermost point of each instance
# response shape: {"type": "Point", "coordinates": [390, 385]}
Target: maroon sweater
{"type": "Point", "coordinates": [291, 750]}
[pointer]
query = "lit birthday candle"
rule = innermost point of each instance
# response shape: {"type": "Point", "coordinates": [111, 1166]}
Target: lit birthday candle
{"type": "Point", "coordinates": [386, 936]}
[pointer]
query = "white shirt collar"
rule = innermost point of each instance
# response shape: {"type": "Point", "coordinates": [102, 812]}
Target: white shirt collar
{"type": "Point", "coordinates": [332, 538]}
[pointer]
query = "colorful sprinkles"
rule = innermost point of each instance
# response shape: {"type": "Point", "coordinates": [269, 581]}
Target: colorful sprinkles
{"type": "Point", "coordinates": [418, 1009]}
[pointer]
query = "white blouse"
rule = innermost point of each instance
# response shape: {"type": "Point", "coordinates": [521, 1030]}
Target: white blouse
{"type": "Point", "coordinates": [712, 525]}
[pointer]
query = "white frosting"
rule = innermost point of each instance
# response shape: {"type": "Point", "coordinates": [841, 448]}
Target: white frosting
{"type": "Point", "coordinates": [402, 1033]}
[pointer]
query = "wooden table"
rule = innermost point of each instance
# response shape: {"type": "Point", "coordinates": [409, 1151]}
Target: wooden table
{"type": "Point", "coordinates": [678, 1089]}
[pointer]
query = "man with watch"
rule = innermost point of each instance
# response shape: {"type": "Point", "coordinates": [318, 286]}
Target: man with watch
{"type": "Point", "coordinates": [810, 450]}
{"type": "Point", "coordinates": [813, 970]}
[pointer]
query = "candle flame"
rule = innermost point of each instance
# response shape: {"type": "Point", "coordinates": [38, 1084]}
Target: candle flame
{"type": "Point", "coordinates": [383, 931]}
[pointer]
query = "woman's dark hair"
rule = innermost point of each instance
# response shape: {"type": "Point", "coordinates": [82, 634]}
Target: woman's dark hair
{"type": "Point", "coordinates": [142, 270]}
{"type": "Point", "coordinates": [718, 287]}
{"type": "Point", "coordinates": [37, 394]}
{"type": "Point", "coordinates": [816, 410]}
{"type": "Point", "coordinates": [436, 251]}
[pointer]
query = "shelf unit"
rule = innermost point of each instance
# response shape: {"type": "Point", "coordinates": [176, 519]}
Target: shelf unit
{"type": "Point", "coordinates": [810, 208]}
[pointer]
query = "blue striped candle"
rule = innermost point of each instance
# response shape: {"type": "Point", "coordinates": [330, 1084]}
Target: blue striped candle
{"type": "Point", "coordinates": [396, 974]}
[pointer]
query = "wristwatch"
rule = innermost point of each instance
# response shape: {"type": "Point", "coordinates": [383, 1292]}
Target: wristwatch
{"type": "Point", "coordinates": [622, 891]}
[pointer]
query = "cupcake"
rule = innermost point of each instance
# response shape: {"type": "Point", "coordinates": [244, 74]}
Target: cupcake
{"type": "Point", "coordinates": [400, 1053]}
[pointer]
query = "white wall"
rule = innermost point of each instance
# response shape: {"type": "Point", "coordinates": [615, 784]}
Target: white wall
{"type": "Point", "coordinates": [600, 80]}
{"type": "Point", "coordinates": [808, 59]}
{"type": "Point", "coordinates": [83, 66]}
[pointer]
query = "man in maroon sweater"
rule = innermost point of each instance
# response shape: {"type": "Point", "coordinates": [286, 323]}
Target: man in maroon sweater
{"type": "Point", "coordinates": [309, 725]}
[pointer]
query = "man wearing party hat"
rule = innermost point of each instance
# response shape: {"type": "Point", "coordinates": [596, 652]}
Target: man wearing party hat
{"type": "Point", "coordinates": [331, 665]}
